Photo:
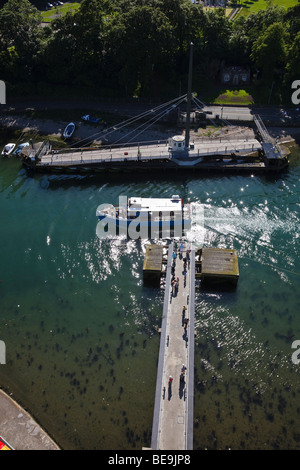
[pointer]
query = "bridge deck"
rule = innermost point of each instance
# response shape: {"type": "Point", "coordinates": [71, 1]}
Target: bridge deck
{"type": "Point", "coordinates": [173, 412]}
{"type": "Point", "coordinates": [159, 151]}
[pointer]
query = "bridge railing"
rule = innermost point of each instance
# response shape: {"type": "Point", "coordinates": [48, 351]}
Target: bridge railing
{"type": "Point", "coordinates": [91, 156]}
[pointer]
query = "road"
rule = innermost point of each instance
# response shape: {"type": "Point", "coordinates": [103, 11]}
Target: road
{"type": "Point", "coordinates": [239, 113]}
{"type": "Point", "coordinates": [133, 108]}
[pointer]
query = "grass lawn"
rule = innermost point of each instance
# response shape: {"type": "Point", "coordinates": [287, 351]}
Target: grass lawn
{"type": "Point", "coordinates": [235, 97]}
{"type": "Point", "coordinates": [58, 11]}
{"type": "Point", "coordinates": [253, 6]}
{"type": "Point", "coordinates": [254, 94]}
{"type": "Point", "coordinates": [227, 10]}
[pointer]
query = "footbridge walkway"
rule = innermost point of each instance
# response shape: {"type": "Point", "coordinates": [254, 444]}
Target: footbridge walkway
{"type": "Point", "coordinates": [174, 400]}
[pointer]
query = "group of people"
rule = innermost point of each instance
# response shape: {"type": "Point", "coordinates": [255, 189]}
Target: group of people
{"type": "Point", "coordinates": [186, 264]}
{"type": "Point", "coordinates": [175, 287]}
{"type": "Point", "coordinates": [185, 319]}
{"type": "Point", "coordinates": [181, 377]}
{"type": "Point", "coordinates": [186, 260]}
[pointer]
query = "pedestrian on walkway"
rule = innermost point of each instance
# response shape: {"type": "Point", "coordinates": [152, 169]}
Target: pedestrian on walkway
{"type": "Point", "coordinates": [174, 287]}
{"type": "Point", "coordinates": [183, 315]}
{"type": "Point", "coordinates": [188, 257]}
{"type": "Point", "coordinates": [177, 285]}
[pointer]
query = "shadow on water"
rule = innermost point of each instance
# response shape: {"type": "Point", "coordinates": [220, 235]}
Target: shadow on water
{"type": "Point", "coordinates": [57, 181]}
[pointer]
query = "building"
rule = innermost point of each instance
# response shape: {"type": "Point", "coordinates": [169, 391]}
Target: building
{"type": "Point", "coordinates": [235, 75]}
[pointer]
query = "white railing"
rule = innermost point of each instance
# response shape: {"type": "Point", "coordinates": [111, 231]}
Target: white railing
{"type": "Point", "coordinates": [90, 156]}
{"type": "Point", "coordinates": [69, 159]}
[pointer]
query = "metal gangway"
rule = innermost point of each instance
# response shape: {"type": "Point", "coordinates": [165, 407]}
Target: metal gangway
{"type": "Point", "coordinates": [269, 145]}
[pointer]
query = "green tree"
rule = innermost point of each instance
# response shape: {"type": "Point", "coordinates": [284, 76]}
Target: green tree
{"type": "Point", "coordinates": [292, 20]}
{"type": "Point", "coordinates": [139, 44]}
{"type": "Point", "coordinates": [77, 49]}
{"type": "Point", "coordinates": [215, 37]}
{"type": "Point", "coordinates": [186, 20]}
{"type": "Point", "coordinates": [20, 37]}
{"type": "Point", "coordinates": [293, 61]}
{"type": "Point", "coordinates": [239, 45]}
{"type": "Point", "coordinates": [269, 51]}
{"type": "Point", "coordinates": [257, 23]}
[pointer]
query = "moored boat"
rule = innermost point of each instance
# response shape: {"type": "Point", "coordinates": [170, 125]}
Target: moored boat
{"type": "Point", "coordinates": [69, 130]}
{"type": "Point", "coordinates": [144, 213]}
{"type": "Point", "coordinates": [8, 149]}
{"type": "Point", "coordinates": [89, 118]}
{"type": "Point", "coordinates": [20, 147]}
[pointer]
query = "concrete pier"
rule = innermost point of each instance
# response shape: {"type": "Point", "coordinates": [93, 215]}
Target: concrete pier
{"type": "Point", "coordinates": [174, 400]}
{"type": "Point", "coordinates": [19, 429]}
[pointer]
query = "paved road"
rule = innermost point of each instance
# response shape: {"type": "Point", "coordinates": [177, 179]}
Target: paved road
{"type": "Point", "coordinates": [278, 114]}
{"type": "Point", "coordinates": [135, 108]}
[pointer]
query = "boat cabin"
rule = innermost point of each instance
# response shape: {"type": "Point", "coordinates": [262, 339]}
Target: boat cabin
{"type": "Point", "coordinates": [140, 206]}
{"type": "Point", "coordinates": [177, 143]}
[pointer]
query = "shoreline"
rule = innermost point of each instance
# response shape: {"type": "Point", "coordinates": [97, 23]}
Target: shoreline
{"type": "Point", "coordinates": [20, 429]}
{"type": "Point", "coordinates": [84, 131]}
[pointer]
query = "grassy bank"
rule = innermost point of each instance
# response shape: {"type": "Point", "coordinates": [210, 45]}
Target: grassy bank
{"type": "Point", "coordinates": [58, 11]}
{"type": "Point", "coordinates": [253, 6]}
{"type": "Point", "coordinates": [234, 97]}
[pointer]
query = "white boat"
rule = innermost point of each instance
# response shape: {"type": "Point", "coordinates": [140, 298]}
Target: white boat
{"type": "Point", "coordinates": [157, 213]}
{"type": "Point", "coordinates": [69, 130]}
{"type": "Point", "coordinates": [8, 149]}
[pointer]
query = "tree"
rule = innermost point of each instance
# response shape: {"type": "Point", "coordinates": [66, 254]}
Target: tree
{"type": "Point", "coordinates": [293, 61]}
{"type": "Point", "coordinates": [20, 36]}
{"type": "Point", "coordinates": [147, 35]}
{"type": "Point", "coordinates": [292, 20]}
{"type": "Point", "coordinates": [257, 23]}
{"type": "Point", "coordinates": [269, 50]}
{"type": "Point", "coordinates": [216, 33]}
{"type": "Point", "coordinates": [77, 47]}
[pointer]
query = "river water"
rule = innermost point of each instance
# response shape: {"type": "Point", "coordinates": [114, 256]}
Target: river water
{"type": "Point", "coordinates": [80, 327]}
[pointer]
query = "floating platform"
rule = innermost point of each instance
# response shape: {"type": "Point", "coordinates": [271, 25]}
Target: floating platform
{"type": "Point", "coordinates": [238, 155]}
{"type": "Point", "coordinates": [217, 265]}
{"type": "Point", "coordinates": [155, 262]}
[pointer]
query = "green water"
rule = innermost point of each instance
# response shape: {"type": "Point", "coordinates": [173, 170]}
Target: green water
{"type": "Point", "coordinates": [80, 327]}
